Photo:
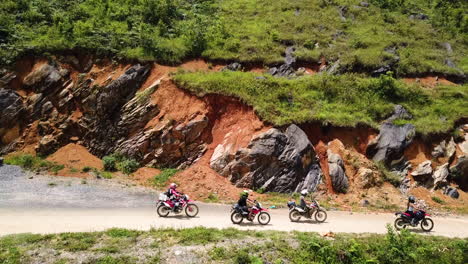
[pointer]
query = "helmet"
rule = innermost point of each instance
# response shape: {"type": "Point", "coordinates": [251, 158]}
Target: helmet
{"type": "Point", "coordinates": [411, 199]}
{"type": "Point", "coordinates": [173, 186]}
{"type": "Point", "coordinates": [304, 192]}
{"type": "Point", "coordinates": [245, 193]}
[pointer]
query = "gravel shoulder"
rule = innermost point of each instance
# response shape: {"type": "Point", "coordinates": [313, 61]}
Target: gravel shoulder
{"type": "Point", "coordinates": [37, 206]}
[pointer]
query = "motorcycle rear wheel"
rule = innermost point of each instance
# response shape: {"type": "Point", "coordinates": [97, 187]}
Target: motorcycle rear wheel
{"type": "Point", "coordinates": [294, 216]}
{"type": "Point", "coordinates": [264, 218]}
{"type": "Point", "coordinates": [427, 224]}
{"type": "Point", "coordinates": [191, 210]}
{"type": "Point", "coordinates": [320, 216]}
{"type": "Point", "coordinates": [236, 218]}
{"type": "Point", "coordinates": [163, 210]}
{"type": "Point", "coordinates": [400, 223]}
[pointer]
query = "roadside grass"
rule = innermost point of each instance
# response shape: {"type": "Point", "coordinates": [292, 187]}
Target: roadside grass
{"type": "Point", "coordinates": [236, 246]}
{"type": "Point", "coordinates": [346, 100]}
{"type": "Point", "coordinates": [32, 163]}
{"type": "Point", "coordinates": [160, 180]}
{"type": "Point", "coordinates": [437, 200]}
{"type": "Point", "coordinates": [117, 161]}
{"type": "Point", "coordinates": [212, 198]}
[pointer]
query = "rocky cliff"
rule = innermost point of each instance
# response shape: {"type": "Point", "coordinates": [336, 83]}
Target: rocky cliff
{"type": "Point", "coordinates": [136, 110]}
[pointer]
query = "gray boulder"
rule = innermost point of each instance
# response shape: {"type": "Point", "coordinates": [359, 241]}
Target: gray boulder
{"type": "Point", "coordinates": [11, 107]}
{"type": "Point", "coordinates": [459, 172]}
{"type": "Point", "coordinates": [277, 161]}
{"type": "Point", "coordinates": [287, 69]}
{"type": "Point", "coordinates": [423, 168]}
{"type": "Point", "coordinates": [45, 79]}
{"type": "Point", "coordinates": [452, 192]}
{"type": "Point", "coordinates": [440, 175]}
{"type": "Point", "coordinates": [389, 145]}
{"type": "Point", "coordinates": [399, 112]}
{"type": "Point", "coordinates": [235, 66]}
{"type": "Point", "coordinates": [337, 172]}
{"type": "Point", "coordinates": [444, 149]}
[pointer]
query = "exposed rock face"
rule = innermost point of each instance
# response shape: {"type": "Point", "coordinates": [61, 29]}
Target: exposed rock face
{"type": "Point", "coordinates": [337, 172]}
{"type": "Point", "coordinates": [440, 176]}
{"type": "Point", "coordinates": [367, 178]}
{"type": "Point", "coordinates": [444, 149]}
{"type": "Point", "coordinates": [389, 145]}
{"type": "Point", "coordinates": [11, 107]}
{"type": "Point", "coordinates": [286, 69]}
{"type": "Point", "coordinates": [235, 66]}
{"type": "Point", "coordinates": [278, 161]}
{"type": "Point", "coordinates": [399, 112]}
{"type": "Point", "coordinates": [459, 172]}
{"type": "Point", "coordinates": [423, 169]}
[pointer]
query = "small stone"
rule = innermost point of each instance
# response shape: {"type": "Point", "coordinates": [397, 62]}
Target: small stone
{"type": "Point", "coordinates": [364, 203]}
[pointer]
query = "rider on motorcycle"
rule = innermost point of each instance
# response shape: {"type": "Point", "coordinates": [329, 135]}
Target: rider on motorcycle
{"type": "Point", "coordinates": [244, 198]}
{"type": "Point", "coordinates": [413, 210]}
{"type": "Point", "coordinates": [303, 203]}
{"type": "Point", "coordinates": [174, 195]}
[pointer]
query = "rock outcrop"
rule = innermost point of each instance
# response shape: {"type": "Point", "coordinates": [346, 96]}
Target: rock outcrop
{"type": "Point", "coordinates": [444, 149]}
{"type": "Point", "coordinates": [440, 175]}
{"type": "Point", "coordinates": [277, 161]}
{"type": "Point", "coordinates": [337, 172]}
{"type": "Point", "coordinates": [11, 107]}
{"type": "Point", "coordinates": [459, 172]}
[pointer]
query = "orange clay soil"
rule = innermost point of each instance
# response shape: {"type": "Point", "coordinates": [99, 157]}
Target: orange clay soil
{"type": "Point", "coordinates": [105, 72]}
{"type": "Point", "coordinates": [429, 81]}
{"type": "Point", "coordinates": [422, 193]}
{"type": "Point", "coordinates": [143, 175]}
{"type": "Point", "coordinates": [75, 157]}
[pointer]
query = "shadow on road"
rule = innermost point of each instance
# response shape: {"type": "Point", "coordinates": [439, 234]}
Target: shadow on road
{"type": "Point", "coordinates": [180, 217]}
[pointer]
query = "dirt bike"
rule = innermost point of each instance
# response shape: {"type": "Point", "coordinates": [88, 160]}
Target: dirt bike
{"type": "Point", "coordinates": [404, 219]}
{"type": "Point", "coordinates": [164, 206]}
{"type": "Point", "coordinates": [313, 210]}
{"type": "Point", "coordinates": [238, 215]}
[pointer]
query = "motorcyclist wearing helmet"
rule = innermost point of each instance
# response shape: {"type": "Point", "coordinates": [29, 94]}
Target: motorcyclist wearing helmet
{"type": "Point", "coordinates": [244, 198]}
{"type": "Point", "coordinates": [174, 195]}
{"type": "Point", "coordinates": [412, 209]}
{"type": "Point", "coordinates": [303, 203]}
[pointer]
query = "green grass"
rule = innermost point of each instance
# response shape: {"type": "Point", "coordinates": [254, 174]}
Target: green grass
{"type": "Point", "coordinates": [162, 178]}
{"type": "Point", "coordinates": [437, 200]}
{"type": "Point", "coordinates": [33, 163]}
{"type": "Point", "coordinates": [212, 198]}
{"type": "Point", "coordinates": [116, 161]}
{"type": "Point", "coordinates": [242, 30]}
{"type": "Point", "coordinates": [345, 100]}
{"type": "Point", "coordinates": [118, 246]}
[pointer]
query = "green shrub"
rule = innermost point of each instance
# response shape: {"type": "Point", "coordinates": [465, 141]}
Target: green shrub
{"type": "Point", "coordinates": [106, 174]}
{"type": "Point", "coordinates": [387, 175]}
{"type": "Point", "coordinates": [30, 162]}
{"type": "Point", "coordinates": [161, 179]}
{"type": "Point", "coordinates": [109, 163]}
{"type": "Point", "coordinates": [128, 166]}
{"type": "Point", "coordinates": [437, 200]}
{"type": "Point", "coordinates": [87, 169]}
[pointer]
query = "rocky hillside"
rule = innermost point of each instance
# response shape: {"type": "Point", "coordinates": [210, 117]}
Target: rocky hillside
{"type": "Point", "coordinates": [137, 110]}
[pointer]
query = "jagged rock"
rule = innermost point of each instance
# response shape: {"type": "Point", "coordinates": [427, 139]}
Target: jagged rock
{"type": "Point", "coordinates": [401, 168]}
{"type": "Point", "coordinates": [235, 66]}
{"type": "Point", "coordinates": [423, 169]}
{"type": "Point", "coordinates": [286, 69]}
{"type": "Point", "coordinates": [278, 161]}
{"type": "Point", "coordinates": [11, 107]}
{"type": "Point", "coordinates": [45, 79]}
{"type": "Point", "coordinates": [452, 192]}
{"type": "Point", "coordinates": [47, 145]}
{"type": "Point", "coordinates": [6, 78]}
{"type": "Point", "coordinates": [405, 185]}
{"type": "Point", "coordinates": [337, 172]}
{"type": "Point", "coordinates": [333, 68]}
{"type": "Point", "coordinates": [367, 178]}
{"type": "Point", "coordinates": [399, 112]}
{"type": "Point", "coordinates": [444, 149]}
{"type": "Point", "coordinates": [440, 175]}
{"type": "Point", "coordinates": [389, 145]}
{"type": "Point", "coordinates": [459, 172]}
{"type": "Point", "coordinates": [47, 108]}
{"type": "Point", "coordinates": [464, 145]}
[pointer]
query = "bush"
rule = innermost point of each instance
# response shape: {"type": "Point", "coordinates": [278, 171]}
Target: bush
{"type": "Point", "coordinates": [161, 179]}
{"type": "Point", "coordinates": [30, 162]}
{"type": "Point", "coordinates": [128, 166]}
{"type": "Point", "coordinates": [110, 163]}
{"type": "Point", "coordinates": [86, 169]}
{"type": "Point", "coordinates": [437, 200]}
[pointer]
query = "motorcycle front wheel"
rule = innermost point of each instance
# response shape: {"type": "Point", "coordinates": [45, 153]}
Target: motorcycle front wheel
{"type": "Point", "coordinates": [236, 218]}
{"type": "Point", "coordinates": [191, 210]}
{"type": "Point", "coordinates": [427, 224]}
{"type": "Point", "coordinates": [264, 218]}
{"type": "Point", "coordinates": [163, 210]}
{"type": "Point", "coordinates": [400, 223]}
{"type": "Point", "coordinates": [294, 216]}
{"type": "Point", "coordinates": [320, 216]}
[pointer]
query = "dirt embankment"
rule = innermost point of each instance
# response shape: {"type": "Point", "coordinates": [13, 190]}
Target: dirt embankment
{"type": "Point", "coordinates": [230, 123]}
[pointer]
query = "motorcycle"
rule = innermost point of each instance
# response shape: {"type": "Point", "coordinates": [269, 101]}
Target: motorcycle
{"type": "Point", "coordinates": [238, 215]}
{"type": "Point", "coordinates": [313, 210]}
{"type": "Point", "coordinates": [404, 219]}
{"type": "Point", "coordinates": [164, 206]}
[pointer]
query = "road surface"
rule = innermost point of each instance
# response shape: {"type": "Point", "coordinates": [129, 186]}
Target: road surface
{"type": "Point", "coordinates": [47, 204]}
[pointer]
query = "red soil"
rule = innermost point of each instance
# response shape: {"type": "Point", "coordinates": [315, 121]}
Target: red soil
{"type": "Point", "coordinates": [321, 150]}
{"type": "Point", "coordinates": [76, 157]}
{"type": "Point", "coordinates": [144, 174]}
{"type": "Point", "coordinates": [429, 81]}
{"type": "Point", "coordinates": [105, 72]}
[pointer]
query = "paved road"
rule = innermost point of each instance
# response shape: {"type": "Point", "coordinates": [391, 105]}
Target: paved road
{"type": "Point", "coordinates": [50, 205]}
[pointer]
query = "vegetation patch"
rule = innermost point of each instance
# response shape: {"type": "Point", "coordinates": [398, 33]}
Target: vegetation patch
{"type": "Point", "coordinates": [119, 162]}
{"type": "Point", "coordinates": [162, 178]}
{"type": "Point", "coordinates": [32, 163]}
{"type": "Point", "coordinates": [345, 100]}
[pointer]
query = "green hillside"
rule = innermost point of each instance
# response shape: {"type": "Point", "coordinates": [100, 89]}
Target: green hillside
{"type": "Point", "coordinates": [406, 34]}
